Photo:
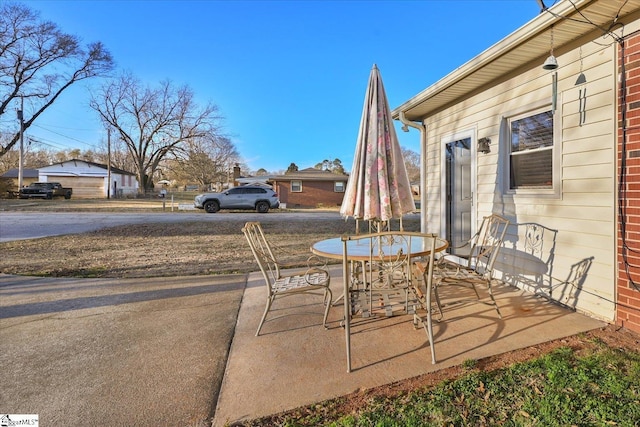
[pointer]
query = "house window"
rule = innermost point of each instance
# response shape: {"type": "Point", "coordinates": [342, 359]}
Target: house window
{"type": "Point", "coordinates": [338, 187]}
{"type": "Point", "coordinates": [296, 186]}
{"type": "Point", "coordinates": [531, 152]}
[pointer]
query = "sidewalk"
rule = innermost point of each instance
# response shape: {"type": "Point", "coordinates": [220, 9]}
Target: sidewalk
{"type": "Point", "coordinates": [295, 362]}
{"type": "Point", "coordinates": [92, 352]}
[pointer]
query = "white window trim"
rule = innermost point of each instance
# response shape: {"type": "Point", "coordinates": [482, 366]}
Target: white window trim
{"type": "Point", "coordinates": [335, 184]}
{"type": "Point", "coordinates": [296, 191]}
{"type": "Point", "coordinates": [555, 192]}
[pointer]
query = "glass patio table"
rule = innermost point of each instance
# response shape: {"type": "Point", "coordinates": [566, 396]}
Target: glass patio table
{"type": "Point", "coordinates": [360, 250]}
{"type": "Point", "coordinates": [377, 273]}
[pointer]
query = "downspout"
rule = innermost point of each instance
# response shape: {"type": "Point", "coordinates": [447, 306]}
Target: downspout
{"type": "Point", "coordinates": [423, 165]}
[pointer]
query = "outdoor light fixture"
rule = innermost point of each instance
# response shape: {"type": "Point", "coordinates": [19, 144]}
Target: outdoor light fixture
{"type": "Point", "coordinates": [483, 145]}
{"type": "Point", "coordinates": [551, 63]}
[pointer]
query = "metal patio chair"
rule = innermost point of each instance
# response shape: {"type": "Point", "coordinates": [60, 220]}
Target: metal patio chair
{"type": "Point", "coordinates": [424, 270]}
{"type": "Point", "coordinates": [478, 267]}
{"type": "Point", "coordinates": [315, 279]}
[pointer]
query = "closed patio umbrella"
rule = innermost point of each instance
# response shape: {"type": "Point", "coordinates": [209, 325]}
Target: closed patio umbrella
{"type": "Point", "coordinates": [378, 188]}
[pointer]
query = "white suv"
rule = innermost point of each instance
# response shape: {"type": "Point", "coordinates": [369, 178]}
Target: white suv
{"type": "Point", "coordinates": [244, 197]}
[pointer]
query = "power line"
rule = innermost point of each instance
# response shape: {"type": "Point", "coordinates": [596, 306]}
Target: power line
{"type": "Point", "coordinates": [63, 135]}
{"type": "Point", "coordinates": [41, 141]}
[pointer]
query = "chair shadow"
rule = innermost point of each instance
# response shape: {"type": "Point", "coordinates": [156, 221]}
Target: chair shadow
{"type": "Point", "coordinates": [529, 264]}
{"type": "Point", "coordinates": [484, 323]}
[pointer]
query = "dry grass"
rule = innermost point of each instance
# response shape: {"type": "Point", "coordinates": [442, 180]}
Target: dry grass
{"type": "Point", "coordinates": [153, 250]}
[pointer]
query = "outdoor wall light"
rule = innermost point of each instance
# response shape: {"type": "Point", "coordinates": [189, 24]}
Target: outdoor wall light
{"type": "Point", "coordinates": [550, 64]}
{"type": "Point", "coordinates": [483, 145]}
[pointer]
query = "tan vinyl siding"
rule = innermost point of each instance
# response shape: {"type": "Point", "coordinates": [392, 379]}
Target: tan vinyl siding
{"type": "Point", "coordinates": [584, 212]}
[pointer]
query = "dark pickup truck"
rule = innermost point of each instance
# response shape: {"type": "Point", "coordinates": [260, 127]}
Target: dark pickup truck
{"type": "Point", "coordinates": [44, 190]}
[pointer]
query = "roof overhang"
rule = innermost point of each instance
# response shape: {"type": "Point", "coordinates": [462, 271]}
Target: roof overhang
{"type": "Point", "coordinates": [526, 47]}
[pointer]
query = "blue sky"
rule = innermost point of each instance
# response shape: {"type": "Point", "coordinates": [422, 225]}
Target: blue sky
{"type": "Point", "coordinates": [288, 76]}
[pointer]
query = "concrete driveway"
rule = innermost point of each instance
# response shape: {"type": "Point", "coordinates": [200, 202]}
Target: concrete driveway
{"type": "Point", "coordinates": [92, 352]}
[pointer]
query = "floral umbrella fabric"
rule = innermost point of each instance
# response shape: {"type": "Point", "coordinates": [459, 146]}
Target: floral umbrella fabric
{"type": "Point", "coordinates": [378, 188]}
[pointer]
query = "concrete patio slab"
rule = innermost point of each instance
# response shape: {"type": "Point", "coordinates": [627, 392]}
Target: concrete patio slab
{"type": "Point", "coordinates": [296, 362]}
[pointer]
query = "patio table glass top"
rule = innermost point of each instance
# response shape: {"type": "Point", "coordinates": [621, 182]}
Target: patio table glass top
{"type": "Point", "coordinates": [360, 250]}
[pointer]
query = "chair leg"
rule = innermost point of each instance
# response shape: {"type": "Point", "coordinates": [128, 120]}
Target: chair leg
{"type": "Point", "coordinates": [495, 304]}
{"type": "Point", "coordinates": [264, 315]}
{"type": "Point", "coordinates": [347, 327]}
{"type": "Point", "coordinates": [328, 303]}
{"type": "Point", "coordinates": [438, 303]}
{"type": "Point", "coordinates": [493, 300]}
{"type": "Point", "coordinates": [429, 329]}
{"type": "Point", "coordinates": [473, 285]}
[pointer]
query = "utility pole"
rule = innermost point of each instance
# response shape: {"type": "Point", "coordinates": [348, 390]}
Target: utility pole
{"type": "Point", "coordinates": [109, 163]}
{"type": "Point", "coordinates": [21, 153]}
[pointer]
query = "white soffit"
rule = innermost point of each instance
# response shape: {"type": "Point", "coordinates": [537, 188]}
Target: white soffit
{"type": "Point", "coordinates": [530, 42]}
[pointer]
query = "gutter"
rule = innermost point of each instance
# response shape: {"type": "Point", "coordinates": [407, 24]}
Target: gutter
{"type": "Point", "coordinates": [423, 162]}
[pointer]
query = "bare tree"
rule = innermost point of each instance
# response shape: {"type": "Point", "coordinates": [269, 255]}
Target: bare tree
{"type": "Point", "coordinates": [38, 62]}
{"type": "Point", "coordinates": [153, 123]}
{"type": "Point", "coordinates": [206, 160]}
{"type": "Point", "coordinates": [412, 163]}
{"type": "Point", "coordinates": [119, 157]}
{"type": "Point", "coordinates": [34, 156]}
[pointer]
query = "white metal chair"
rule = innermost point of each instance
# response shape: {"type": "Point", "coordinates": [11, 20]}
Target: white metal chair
{"type": "Point", "coordinates": [313, 280]}
{"type": "Point", "coordinates": [477, 268]}
{"type": "Point", "coordinates": [424, 269]}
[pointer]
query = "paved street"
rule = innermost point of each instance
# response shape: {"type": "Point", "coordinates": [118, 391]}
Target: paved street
{"type": "Point", "coordinates": [33, 225]}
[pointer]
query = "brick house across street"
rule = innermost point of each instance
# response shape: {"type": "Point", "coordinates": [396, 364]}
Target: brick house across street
{"type": "Point", "coordinates": [310, 188]}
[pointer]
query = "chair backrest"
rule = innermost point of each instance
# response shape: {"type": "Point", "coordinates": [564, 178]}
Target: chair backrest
{"type": "Point", "coordinates": [486, 244]}
{"type": "Point", "coordinates": [262, 251]}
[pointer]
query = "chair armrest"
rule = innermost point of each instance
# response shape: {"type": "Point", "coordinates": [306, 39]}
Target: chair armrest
{"type": "Point", "coordinates": [316, 276]}
{"type": "Point", "coordinates": [316, 261]}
